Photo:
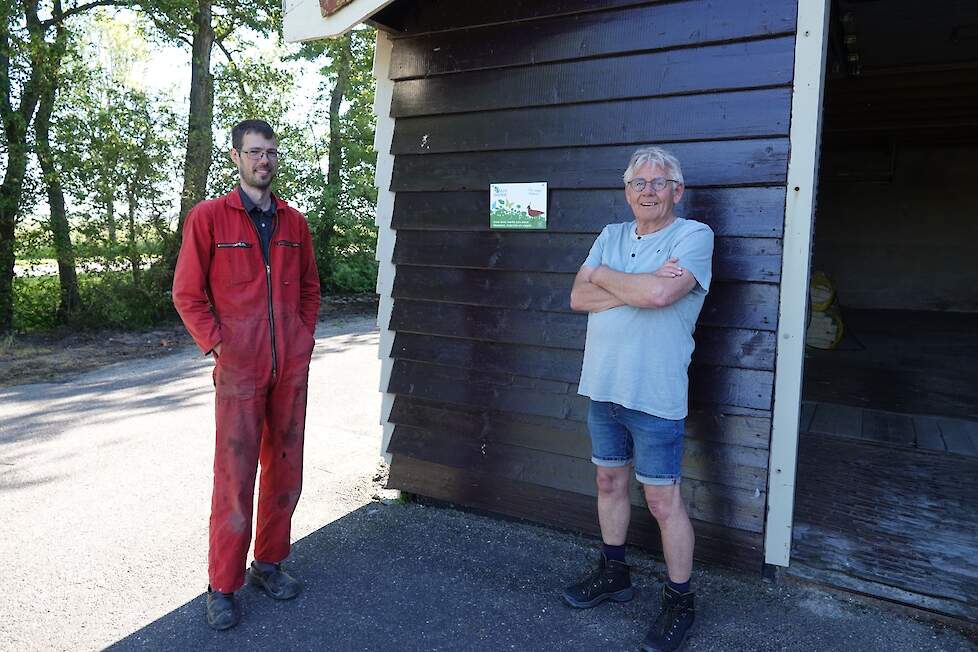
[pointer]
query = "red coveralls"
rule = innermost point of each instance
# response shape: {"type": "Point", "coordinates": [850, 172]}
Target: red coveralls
{"type": "Point", "coordinates": [264, 317]}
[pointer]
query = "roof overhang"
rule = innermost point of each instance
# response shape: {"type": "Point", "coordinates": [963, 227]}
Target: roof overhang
{"type": "Point", "coordinates": [308, 20]}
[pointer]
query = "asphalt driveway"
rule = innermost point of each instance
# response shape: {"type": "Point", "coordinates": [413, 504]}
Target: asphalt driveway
{"type": "Point", "coordinates": [105, 485]}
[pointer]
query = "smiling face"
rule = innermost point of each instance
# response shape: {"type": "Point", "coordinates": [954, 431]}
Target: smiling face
{"type": "Point", "coordinates": [255, 174]}
{"type": "Point", "coordinates": [653, 210]}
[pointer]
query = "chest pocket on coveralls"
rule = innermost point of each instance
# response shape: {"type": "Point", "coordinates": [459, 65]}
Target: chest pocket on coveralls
{"type": "Point", "coordinates": [290, 254]}
{"type": "Point", "coordinates": [235, 262]}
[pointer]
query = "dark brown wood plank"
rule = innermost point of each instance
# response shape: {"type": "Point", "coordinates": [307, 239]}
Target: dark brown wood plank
{"type": "Point", "coordinates": [495, 391]}
{"type": "Point", "coordinates": [749, 388]}
{"type": "Point", "coordinates": [896, 523]}
{"type": "Point", "coordinates": [741, 305]}
{"type": "Point", "coordinates": [741, 114]}
{"type": "Point", "coordinates": [422, 16]}
{"type": "Point", "coordinates": [928, 434]}
{"type": "Point", "coordinates": [527, 500]}
{"type": "Point", "coordinates": [525, 360]}
{"type": "Point", "coordinates": [725, 347]}
{"type": "Point", "coordinates": [720, 163]}
{"type": "Point", "coordinates": [567, 436]}
{"type": "Point", "coordinates": [735, 305]}
{"type": "Point", "coordinates": [721, 504]}
{"type": "Point", "coordinates": [722, 67]}
{"type": "Point", "coordinates": [960, 436]}
{"type": "Point", "coordinates": [833, 419]}
{"type": "Point", "coordinates": [730, 465]}
{"type": "Point", "coordinates": [743, 212]}
{"type": "Point", "coordinates": [805, 418]}
{"type": "Point", "coordinates": [559, 330]}
{"type": "Point", "coordinates": [888, 428]}
{"type": "Point", "coordinates": [651, 27]}
{"type": "Point", "coordinates": [734, 259]}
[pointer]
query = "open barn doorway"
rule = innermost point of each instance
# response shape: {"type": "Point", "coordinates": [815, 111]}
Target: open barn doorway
{"type": "Point", "coordinates": [887, 496]}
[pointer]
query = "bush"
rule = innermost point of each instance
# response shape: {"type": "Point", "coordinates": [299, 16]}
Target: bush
{"type": "Point", "coordinates": [36, 301]}
{"type": "Point", "coordinates": [109, 299]}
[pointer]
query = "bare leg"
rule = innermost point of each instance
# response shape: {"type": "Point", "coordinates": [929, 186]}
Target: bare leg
{"type": "Point", "coordinates": [614, 510]}
{"type": "Point", "coordinates": [666, 504]}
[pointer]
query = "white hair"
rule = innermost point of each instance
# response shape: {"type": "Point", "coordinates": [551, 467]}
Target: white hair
{"type": "Point", "coordinates": [655, 156]}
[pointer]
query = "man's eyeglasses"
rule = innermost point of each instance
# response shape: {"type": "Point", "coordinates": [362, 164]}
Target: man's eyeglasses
{"type": "Point", "coordinates": [656, 184]}
{"type": "Point", "coordinates": [256, 154]}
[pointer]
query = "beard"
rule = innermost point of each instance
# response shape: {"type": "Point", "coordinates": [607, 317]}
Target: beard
{"type": "Point", "coordinates": [255, 181]}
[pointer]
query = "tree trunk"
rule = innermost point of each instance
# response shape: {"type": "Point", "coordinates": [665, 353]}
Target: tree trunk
{"type": "Point", "coordinates": [133, 251]}
{"type": "Point", "coordinates": [70, 301]}
{"type": "Point", "coordinates": [343, 62]}
{"type": "Point", "coordinates": [15, 125]}
{"type": "Point", "coordinates": [200, 139]}
{"type": "Point", "coordinates": [108, 202]}
{"type": "Point", "coordinates": [334, 181]}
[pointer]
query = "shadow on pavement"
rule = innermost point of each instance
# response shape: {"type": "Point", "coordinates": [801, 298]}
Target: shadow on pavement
{"type": "Point", "coordinates": [386, 577]}
{"type": "Point", "coordinates": [410, 577]}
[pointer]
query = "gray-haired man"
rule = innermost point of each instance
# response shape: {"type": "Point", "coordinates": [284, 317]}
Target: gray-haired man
{"type": "Point", "coordinates": [643, 284]}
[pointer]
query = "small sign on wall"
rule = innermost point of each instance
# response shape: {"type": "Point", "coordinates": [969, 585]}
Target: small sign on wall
{"type": "Point", "coordinates": [518, 205]}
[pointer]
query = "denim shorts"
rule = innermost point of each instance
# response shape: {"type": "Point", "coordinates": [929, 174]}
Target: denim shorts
{"type": "Point", "coordinates": [621, 436]}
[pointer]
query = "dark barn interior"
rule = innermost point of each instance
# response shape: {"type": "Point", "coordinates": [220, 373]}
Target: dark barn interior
{"type": "Point", "coordinates": [887, 499]}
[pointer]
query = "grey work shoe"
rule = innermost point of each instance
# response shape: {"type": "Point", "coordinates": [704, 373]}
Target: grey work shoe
{"type": "Point", "coordinates": [675, 618]}
{"type": "Point", "coordinates": [276, 583]}
{"type": "Point", "coordinates": [609, 581]}
{"type": "Point", "coordinates": [223, 611]}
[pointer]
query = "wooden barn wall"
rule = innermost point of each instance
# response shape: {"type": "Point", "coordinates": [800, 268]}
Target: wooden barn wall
{"type": "Point", "coordinates": [487, 351]}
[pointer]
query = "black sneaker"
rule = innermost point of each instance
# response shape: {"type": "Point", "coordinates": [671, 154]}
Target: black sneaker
{"type": "Point", "coordinates": [609, 581]}
{"type": "Point", "coordinates": [223, 611]}
{"type": "Point", "coordinates": [673, 623]}
{"type": "Point", "coordinates": [276, 583]}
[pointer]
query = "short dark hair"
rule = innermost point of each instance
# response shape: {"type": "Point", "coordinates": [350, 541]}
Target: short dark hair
{"type": "Point", "coordinates": [250, 127]}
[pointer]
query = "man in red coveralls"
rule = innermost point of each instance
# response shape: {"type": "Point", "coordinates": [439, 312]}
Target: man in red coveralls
{"type": "Point", "coordinates": [247, 289]}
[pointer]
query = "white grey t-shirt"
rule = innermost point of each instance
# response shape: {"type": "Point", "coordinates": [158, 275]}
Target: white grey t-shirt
{"type": "Point", "coordinates": [638, 357]}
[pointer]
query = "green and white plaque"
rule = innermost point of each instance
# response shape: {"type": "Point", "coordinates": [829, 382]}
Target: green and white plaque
{"type": "Point", "coordinates": [518, 205]}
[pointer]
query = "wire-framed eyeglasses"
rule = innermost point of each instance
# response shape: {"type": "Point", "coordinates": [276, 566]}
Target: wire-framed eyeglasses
{"type": "Point", "coordinates": [257, 154]}
{"type": "Point", "coordinates": [638, 184]}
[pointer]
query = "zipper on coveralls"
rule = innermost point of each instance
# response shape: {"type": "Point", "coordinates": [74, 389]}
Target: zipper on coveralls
{"type": "Point", "coordinates": [268, 285]}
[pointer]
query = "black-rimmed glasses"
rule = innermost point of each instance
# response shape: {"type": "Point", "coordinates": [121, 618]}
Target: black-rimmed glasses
{"type": "Point", "coordinates": [257, 154]}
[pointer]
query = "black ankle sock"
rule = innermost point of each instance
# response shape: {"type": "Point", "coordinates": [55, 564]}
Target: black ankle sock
{"type": "Point", "coordinates": [680, 588]}
{"type": "Point", "coordinates": [615, 553]}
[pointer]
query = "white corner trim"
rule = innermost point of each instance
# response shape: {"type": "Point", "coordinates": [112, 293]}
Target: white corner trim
{"type": "Point", "coordinates": [386, 236]}
{"type": "Point", "coordinates": [805, 134]}
{"type": "Point", "coordinates": [303, 20]}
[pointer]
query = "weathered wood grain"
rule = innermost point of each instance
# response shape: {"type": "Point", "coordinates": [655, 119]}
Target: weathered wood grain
{"type": "Point", "coordinates": [735, 305]}
{"type": "Point", "coordinates": [657, 26]}
{"type": "Point", "coordinates": [928, 433]}
{"type": "Point", "coordinates": [960, 436]}
{"type": "Point", "coordinates": [725, 347]}
{"type": "Point", "coordinates": [741, 114]}
{"type": "Point", "coordinates": [721, 163]}
{"type": "Point", "coordinates": [834, 419]}
{"type": "Point", "coordinates": [888, 428]}
{"type": "Point", "coordinates": [725, 505]}
{"type": "Point", "coordinates": [743, 212]}
{"type": "Point", "coordinates": [734, 259]}
{"type": "Point", "coordinates": [721, 67]}
{"type": "Point", "coordinates": [708, 424]}
{"type": "Point", "coordinates": [564, 509]}
{"type": "Point", "coordinates": [899, 524]}
{"type": "Point", "coordinates": [748, 388]}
